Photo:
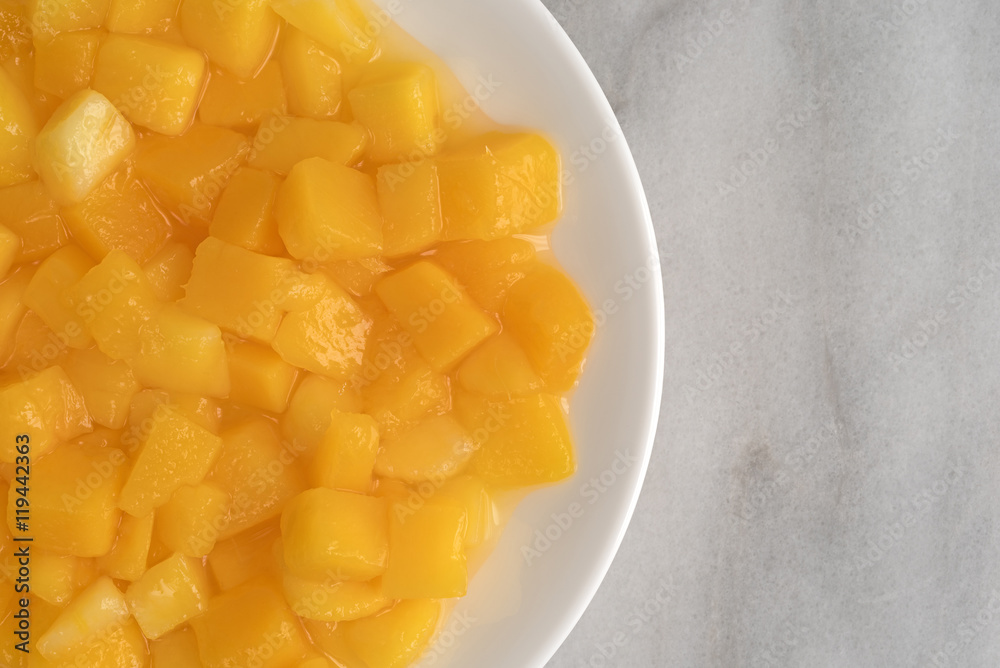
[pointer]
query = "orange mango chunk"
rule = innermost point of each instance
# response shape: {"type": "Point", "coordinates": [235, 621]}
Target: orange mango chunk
{"type": "Point", "coordinates": [169, 271]}
{"type": "Point", "coordinates": [168, 594]}
{"type": "Point", "coordinates": [397, 637]}
{"type": "Point", "coordinates": [65, 63]}
{"type": "Point", "coordinates": [106, 385]}
{"type": "Point", "coordinates": [177, 649]}
{"type": "Point", "coordinates": [141, 17]}
{"type": "Point", "coordinates": [56, 578]}
{"type": "Point", "coordinates": [331, 601]}
{"type": "Point", "coordinates": [307, 419]}
{"type": "Point", "coordinates": [436, 449]}
{"type": "Point", "coordinates": [410, 200]}
{"type": "Point", "coordinates": [128, 558]}
{"type": "Point", "coordinates": [18, 128]}
{"type": "Point", "coordinates": [346, 456]}
{"type": "Point", "coordinates": [97, 611]}
{"type": "Point", "coordinates": [29, 211]}
{"type": "Point", "coordinates": [260, 378]}
{"type": "Point", "coordinates": [189, 523]}
{"type": "Point", "coordinates": [427, 552]}
{"type": "Point", "coordinates": [10, 246]}
{"type": "Point", "coordinates": [242, 104]}
{"type": "Point", "coordinates": [312, 76]}
{"type": "Point", "coordinates": [245, 213]}
{"type": "Point", "coordinates": [57, 273]}
{"type": "Point", "coordinates": [472, 494]}
{"type": "Point", "coordinates": [283, 142]}
{"type": "Point", "coordinates": [238, 36]}
{"type": "Point", "coordinates": [47, 407]}
{"type": "Point", "coordinates": [48, 18]}
{"type": "Point", "coordinates": [499, 368]}
{"type": "Point", "coordinates": [341, 26]}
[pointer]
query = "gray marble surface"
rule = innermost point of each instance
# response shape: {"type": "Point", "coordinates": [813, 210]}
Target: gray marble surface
{"type": "Point", "coordinates": [824, 183]}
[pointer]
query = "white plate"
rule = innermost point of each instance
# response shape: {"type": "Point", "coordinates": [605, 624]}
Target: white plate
{"type": "Point", "coordinates": [517, 614]}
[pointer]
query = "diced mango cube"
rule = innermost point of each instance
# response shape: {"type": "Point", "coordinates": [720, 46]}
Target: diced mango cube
{"type": "Point", "coordinates": [10, 246]}
{"type": "Point", "coordinates": [308, 416]}
{"type": "Point", "coordinates": [398, 103]}
{"type": "Point", "coordinates": [331, 601]}
{"type": "Point", "coordinates": [99, 609]}
{"type": "Point", "coordinates": [245, 213]}
{"type": "Point", "coordinates": [115, 300]}
{"type": "Point", "coordinates": [499, 368]}
{"type": "Point", "coordinates": [346, 456]}
{"type": "Point", "coordinates": [241, 291]}
{"type": "Point", "coordinates": [57, 273]}
{"type": "Point", "coordinates": [549, 318]}
{"type": "Point", "coordinates": [487, 269]}
{"type": "Point", "coordinates": [246, 556]}
{"type": "Point", "coordinates": [106, 385]}
{"type": "Point", "coordinates": [55, 578]}
{"type": "Point", "coordinates": [312, 76]}
{"type": "Point", "coordinates": [29, 211]}
{"type": "Point", "coordinates": [12, 309]}
{"type": "Point", "coordinates": [327, 338]}
{"type": "Point", "coordinates": [335, 535]}
{"type": "Point", "coordinates": [65, 62]}
{"type": "Point", "coordinates": [341, 25]}
{"type": "Point", "coordinates": [128, 558]}
{"type": "Point", "coordinates": [409, 197]}
{"type": "Point", "coordinates": [358, 276]}
{"type": "Point", "coordinates": [471, 493]}
{"type": "Point", "coordinates": [174, 334]}
{"type": "Point", "coordinates": [260, 378]}
{"type": "Point", "coordinates": [141, 16]}
{"type": "Point", "coordinates": [18, 128]}
{"type": "Point", "coordinates": [82, 144]}
{"type": "Point", "coordinates": [119, 214]}
{"type": "Point", "coordinates": [249, 626]}
{"type": "Point", "coordinates": [427, 552]}
{"type": "Point", "coordinates": [283, 142]}
{"type": "Point", "coordinates": [259, 473]}
{"type": "Point", "coordinates": [146, 412]}
{"type": "Point", "coordinates": [190, 522]}
{"type": "Point", "coordinates": [499, 184]}
{"type": "Point", "coordinates": [242, 104]}
{"type": "Point", "coordinates": [189, 173]}
{"type": "Point", "coordinates": [237, 35]}
{"type": "Point", "coordinates": [154, 83]}
{"type": "Point", "coordinates": [522, 442]}
{"type": "Point", "coordinates": [177, 649]}
{"type": "Point", "coordinates": [436, 449]}
{"type": "Point", "coordinates": [177, 452]}
{"type": "Point", "coordinates": [397, 637]}
{"type": "Point", "coordinates": [444, 321]}
{"type": "Point", "coordinates": [169, 271]}
{"type": "Point", "coordinates": [48, 18]}
{"type": "Point", "coordinates": [168, 594]}
{"type": "Point", "coordinates": [46, 407]}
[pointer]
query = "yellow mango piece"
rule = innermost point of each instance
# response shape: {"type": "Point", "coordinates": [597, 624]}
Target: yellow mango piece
{"type": "Point", "coordinates": [12, 309]}
{"type": "Point", "coordinates": [154, 83]}
{"type": "Point", "coordinates": [332, 640]}
{"type": "Point", "coordinates": [237, 35]}
{"type": "Point", "coordinates": [174, 334]}
{"type": "Point", "coordinates": [549, 318]}
{"type": "Point", "coordinates": [190, 522]}
{"type": "Point", "coordinates": [177, 649]}
{"type": "Point", "coordinates": [119, 646]}
{"type": "Point", "coordinates": [260, 378]}
{"type": "Point", "coordinates": [106, 385]}
{"type": "Point", "coordinates": [487, 269]}
{"type": "Point", "coordinates": [115, 300]}
{"type": "Point", "coordinates": [21, 69]}
{"type": "Point", "coordinates": [444, 321]}
{"type": "Point", "coordinates": [15, 30]}
{"type": "Point", "coordinates": [18, 128]}
{"type": "Point", "coordinates": [29, 211]}
{"type": "Point", "coordinates": [283, 142]}
{"type": "Point", "coordinates": [82, 144]}
{"type": "Point", "coordinates": [358, 276]}
{"type": "Point", "coordinates": [141, 16]}
{"type": "Point", "coordinates": [341, 25]}
{"type": "Point", "coordinates": [313, 401]}
{"type": "Point", "coordinates": [499, 184]}
{"type": "Point", "coordinates": [177, 452]}
{"type": "Point", "coordinates": [57, 273]}
{"type": "Point", "coordinates": [246, 556]}
{"type": "Point", "coordinates": [335, 535]}
{"type": "Point", "coordinates": [245, 213]}
{"type": "Point", "coordinates": [397, 637]}
{"type": "Point", "coordinates": [499, 368]}
{"type": "Point", "coordinates": [470, 492]}
{"type": "Point", "coordinates": [409, 198]}
{"type": "Point", "coordinates": [330, 601]}
{"type": "Point", "coordinates": [10, 246]}
{"type": "Point", "coordinates": [436, 449]}
{"type": "Point", "coordinates": [99, 609]}
{"type": "Point", "coordinates": [244, 292]}
{"type": "Point", "coordinates": [326, 211]}
{"type": "Point", "coordinates": [146, 412]}
{"type": "Point", "coordinates": [46, 407]}
{"type": "Point", "coordinates": [188, 174]}
{"type": "Point", "coordinates": [65, 62]}
{"type": "Point", "coordinates": [128, 558]}
{"type": "Point", "coordinates": [169, 271]}
{"type": "Point", "coordinates": [398, 103]}
{"type": "Point", "coordinates": [249, 626]}
{"type": "Point", "coordinates": [346, 456]}
{"type": "Point", "coordinates": [48, 18]}
{"type": "Point", "coordinates": [327, 338]}
{"type": "Point", "coordinates": [312, 76]}
{"type": "Point", "coordinates": [427, 552]}
{"type": "Point", "coordinates": [55, 578]}
{"type": "Point", "coordinates": [241, 104]}
{"type": "Point", "coordinates": [168, 594]}
{"type": "Point", "coordinates": [119, 214]}
{"type": "Point", "coordinates": [523, 441]}
{"type": "Point", "coordinates": [258, 472]}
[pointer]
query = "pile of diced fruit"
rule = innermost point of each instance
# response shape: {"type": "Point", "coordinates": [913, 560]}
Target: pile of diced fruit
{"type": "Point", "coordinates": [275, 337]}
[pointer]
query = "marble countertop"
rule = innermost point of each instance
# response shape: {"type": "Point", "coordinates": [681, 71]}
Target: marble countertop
{"type": "Point", "coordinates": [823, 178]}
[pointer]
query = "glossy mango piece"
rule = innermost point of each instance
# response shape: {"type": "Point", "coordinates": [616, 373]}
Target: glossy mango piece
{"type": "Point", "coordinates": [238, 36]}
{"type": "Point", "coordinates": [244, 557]}
{"type": "Point", "coordinates": [65, 63]}
{"type": "Point", "coordinates": [283, 142]}
{"type": "Point", "coordinates": [427, 552]}
{"type": "Point", "coordinates": [29, 211]}
{"type": "Point", "coordinates": [313, 401]}
{"type": "Point", "coordinates": [397, 637]}
{"type": "Point", "coordinates": [241, 104]}
{"type": "Point", "coordinates": [346, 456]}
{"type": "Point", "coordinates": [312, 76]}
{"type": "Point", "coordinates": [49, 18]}
{"type": "Point", "coordinates": [499, 368]}
{"type": "Point", "coordinates": [19, 127]}
{"type": "Point", "coordinates": [191, 521]}
{"type": "Point", "coordinates": [177, 649]}
{"type": "Point", "coordinates": [187, 583]}
{"type": "Point", "coordinates": [57, 273]}
{"type": "Point", "coordinates": [141, 17]}
{"type": "Point", "coordinates": [436, 449]}
{"type": "Point", "coordinates": [245, 214]}
{"type": "Point", "coordinates": [472, 494]}
{"type": "Point", "coordinates": [128, 559]}
{"type": "Point", "coordinates": [409, 196]}
{"type": "Point", "coordinates": [97, 611]}
{"type": "Point", "coordinates": [260, 378]}
{"type": "Point", "coordinates": [341, 25]}
{"type": "Point", "coordinates": [56, 578]}
{"type": "Point", "coordinates": [106, 385]}
{"type": "Point", "coordinates": [330, 601]}
{"type": "Point", "coordinates": [487, 269]}
{"type": "Point", "coordinates": [169, 271]}
{"type": "Point", "coordinates": [47, 407]}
